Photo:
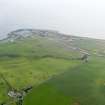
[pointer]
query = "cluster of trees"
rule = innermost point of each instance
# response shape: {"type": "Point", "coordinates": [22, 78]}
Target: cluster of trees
{"type": "Point", "coordinates": [85, 57]}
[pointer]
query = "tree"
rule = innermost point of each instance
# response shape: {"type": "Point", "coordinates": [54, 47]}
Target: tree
{"type": "Point", "coordinates": [85, 57]}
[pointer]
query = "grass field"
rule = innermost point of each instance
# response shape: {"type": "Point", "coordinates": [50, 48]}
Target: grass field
{"type": "Point", "coordinates": [32, 61]}
{"type": "Point", "coordinates": [23, 72]}
{"type": "Point", "coordinates": [57, 78]}
{"type": "Point", "coordinates": [82, 85]}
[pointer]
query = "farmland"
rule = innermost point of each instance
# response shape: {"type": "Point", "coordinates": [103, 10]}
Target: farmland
{"type": "Point", "coordinates": [53, 68]}
{"type": "Point", "coordinates": [31, 62]}
{"type": "Point", "coordinates": [83, 85]}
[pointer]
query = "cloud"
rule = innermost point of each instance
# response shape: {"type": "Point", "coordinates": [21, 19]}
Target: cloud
{"type": "Point", "coordinates": [77, 17]}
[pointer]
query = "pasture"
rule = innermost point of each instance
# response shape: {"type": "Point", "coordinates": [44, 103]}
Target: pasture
{"type": "Point", "coordinates": [82, 85]}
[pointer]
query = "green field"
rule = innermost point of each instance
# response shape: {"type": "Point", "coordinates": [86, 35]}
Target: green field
{"type": "Point", "coordinates": [57, 78]}
{"type": "Point", "coordinates": [82, 85]}
{"type": "Point", "coordinates": [31, 62]}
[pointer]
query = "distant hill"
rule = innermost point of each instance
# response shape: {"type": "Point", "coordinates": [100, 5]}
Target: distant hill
{"type": "Point", "coordinates": [79, 44]}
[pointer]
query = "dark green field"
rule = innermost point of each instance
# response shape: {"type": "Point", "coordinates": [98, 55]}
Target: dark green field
{"type": "Point", "coordinates": [82, 85]}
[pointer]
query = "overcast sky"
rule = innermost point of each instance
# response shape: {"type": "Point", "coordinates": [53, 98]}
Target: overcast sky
{"type": "Point", "coordinates": [76, 17]}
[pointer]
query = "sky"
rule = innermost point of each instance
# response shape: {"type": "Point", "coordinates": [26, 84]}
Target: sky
{"type": "Point", "coordinates": [74, 17]}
